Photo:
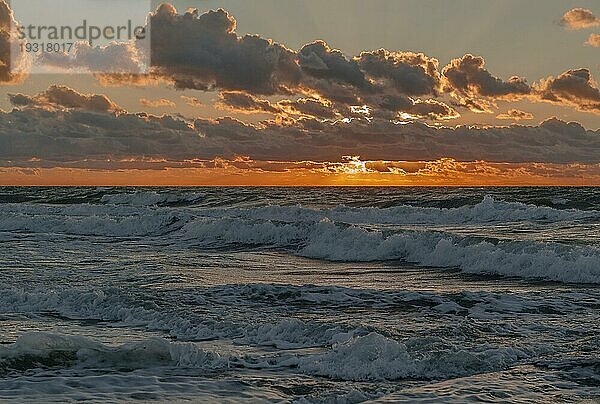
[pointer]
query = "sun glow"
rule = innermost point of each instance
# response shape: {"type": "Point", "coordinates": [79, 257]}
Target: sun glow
{"type": "Point", "coordinates": [349, 171]}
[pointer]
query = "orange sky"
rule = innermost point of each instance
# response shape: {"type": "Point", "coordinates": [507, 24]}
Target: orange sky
{"type": "Point", "coordinates": [446, 172]}
{"type": "Point", "coordinates": [442, 82]}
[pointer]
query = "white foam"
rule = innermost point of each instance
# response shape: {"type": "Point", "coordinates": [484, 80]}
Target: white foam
{"type": "Point", "coordinates": [331, 241]}
{"type": "Point", "coordinates": [112, 305]}
{"type": "Point", "coordinates": [115, 306]}
{"type": "Point", "coordinates": [293, 333]}
{"type": "Point", "coordinates": [92, 220]}
{"type": "Point", "coordinates": [137, 214]}
{"type": "Point", "coordinates": [376, 357]}
{"type": "Point", "coordinates": [34, 348]}
{"type": "Point", "coordinates": [372, 357]}
{"type": "Point", "coordinates": [341, 234]}
{"type": "Point", "coordinates": [488, 210]}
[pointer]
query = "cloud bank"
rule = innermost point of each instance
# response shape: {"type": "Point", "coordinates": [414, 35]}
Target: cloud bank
{"type": "Point", "coordinates": [62, 125]}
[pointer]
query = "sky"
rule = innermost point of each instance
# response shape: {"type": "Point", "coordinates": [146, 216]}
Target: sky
{"type": "Point", "coordinates": [337, 92]}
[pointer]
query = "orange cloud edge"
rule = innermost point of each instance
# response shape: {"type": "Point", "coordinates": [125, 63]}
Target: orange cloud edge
{"type": "Point", "coordinates": [352, 171]}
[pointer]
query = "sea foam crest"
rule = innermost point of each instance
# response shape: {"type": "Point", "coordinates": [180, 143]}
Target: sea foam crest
{"type": "Point", "coordinates": [361, 358]}
{"type": "Point", "coordinates": [339, 242]}
{"type": "Point", "coordinates": [376, 357]}
{"type": "Point", "coordinates": [116, 306]}
{"type": "Point", "coordinates": [36, 349]}
{"type": "Point", "coordinates": [488, 210]}
{"type": "Point", "coordinates": [340, 234]}
{"type": "Point", "coordinates": [90, 220]}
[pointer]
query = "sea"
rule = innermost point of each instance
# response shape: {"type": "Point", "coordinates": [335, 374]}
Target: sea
{"type": "Point", "coordinates": [303, 295]}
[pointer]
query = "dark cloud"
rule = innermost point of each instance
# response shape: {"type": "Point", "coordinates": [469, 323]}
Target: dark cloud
{"type": "Point", "coordinates": [242, 102]}
{"type": "Point", "coordinates": [468, 77]}
{"type": "Point", "coordinates": [406, 108]}
{"type": "Point", "coordinates": [309, 107]}
{"type": "Point", "coordinates": [75, 133]}
{"type": "Point", "coordinates": [432, 109]}
{"type": "Point", "coordinates": [56, 136]}
{"type": "Point", "coordinates": [317, 59]}
{"type": "Point", "coordinates": [479, 106]}
{"type": "Point", "coordinates": [516, 115]}
{"type": "Point", "coordinates": [580, 18]}
{"type": "Point", "coordinates": [574, 87]}
{"type": "Point", "coordinates": [65, 97]}
{"type": "Point", "coordinates": [395, 103]}
{"type": "Point", "coordinates": [408, 73]}
{"type": "Point", "coordinates": [246, 103]}
{"type": "Point", "coordinates": [329, 74]}
{"type": "Point", "coordinates": [204, 52]}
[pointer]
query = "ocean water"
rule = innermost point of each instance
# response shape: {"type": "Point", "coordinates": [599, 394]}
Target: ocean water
{"type": "Point", "coordinates": [300, 294]}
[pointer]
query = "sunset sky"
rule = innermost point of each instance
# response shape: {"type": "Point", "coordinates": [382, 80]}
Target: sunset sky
{"type": "Point", "coordinates": [343, 92]}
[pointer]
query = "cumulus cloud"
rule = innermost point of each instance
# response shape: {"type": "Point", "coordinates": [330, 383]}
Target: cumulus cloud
{"type": "Point", "coordinates": [64, 97]}
{"type": "Point", "coordinates": [151, 79]}
{"type": "Point", "coordinates": [389, 107]}
{"type": "Point", "coordinates": [319, 60]}
{"type": "Point", "coordinates": [477, 89]}
{"type": "Point", "coordinates": [409, 73]}
{"type": "Point", "coordinates": [467, 76]}
{"type": "Point", "coordinates": [117, 58]}
{"type": "Point", "coordinates": [594, 40]}
{"type": "Point", "coordinates": [12, 69]}
{"type": "Point", "coordinates": [160, 103]}
{"type": "Point", "coordinates": [574, 87]}
{"type": "Point", "coordinates": [479, 106]}
{"type": "Point", "coordinates": [580, 18]}
{"type": "Point", "coordinates": [204, 52]}
{"type": "Point", "coordinates": [516, 115]}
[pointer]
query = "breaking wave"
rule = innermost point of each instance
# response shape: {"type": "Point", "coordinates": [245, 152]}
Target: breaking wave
{"type": "Point", "coordinates": [376, 357]}
{"type": "Point", "coordinates": [338, 242]}
{"type": "Point", "coordinates": [120, 309]}
{"type": "Point", "coordinates": [488, 210]}
{"type": "Point", "coordinates": [46, 350]}
{"type": "Point", "coordinates": [339, 234]}
{"type": "Point", "coordinates": [362, 358]}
